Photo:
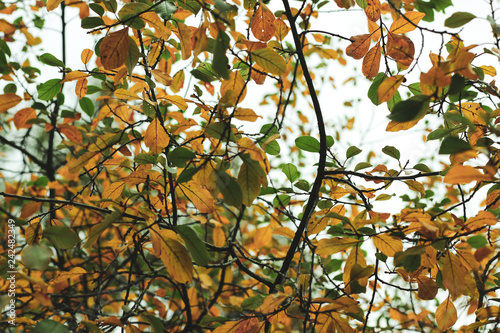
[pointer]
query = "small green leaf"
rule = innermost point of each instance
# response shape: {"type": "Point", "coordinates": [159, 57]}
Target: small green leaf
{"type": "Point", "coordinates": [36, 256]}
{"type": "Point", "coordinates": [110, 5]}
{"type": "Point", "coordinates": [220, 62]}
{"type": "Point", "coordinates": [458, 19]}
{"type": "Point", "coordinates": [165, 9]}
{"type": "Point", "coordinates": [373, 91]}
{"type": "Point", "coordinates": [281, 200]}
{"type": "Point", "coordinates": [87, 106]}
{"type": "Point", "coordinates": [362, 165]}
{"type": "Point", "coordinates": [49, 59]}
{"type": "Point", "coordinates": [97, 9]}
{"type": "Point", "coordinates": [47, 90]}
{"type": "Point", "coordinates": [439, 133]}
{"type": "Point", "coordinates": [392, 152]}
{"type": "Point", "coordinates": [186, 175]}
{"type": "Point", "coordinates": [91, 22]}
{"type": "Point", "coordinates": [220, 131]}
{"type": "Point", "coordinates": [303, 185]}
{"type": "Point", "coordinates": [253, 303]}
{"type": "Point", "coordinates": [194, 244]}
{"type": "Point", "coordinates": [477, 241]}
{"type": "Point", "coordinates": [308, 143]}
{"type": "Point", "coordinates": [143, 158]}
{"type": "Point", "coordinates": [352, 151]}
{"type": "Point", "coordinates": [180, 156]}
{"type": "Point", "coordinates": [61, 237]}
{"type": "Point", "coordinates": [410, 109]}
{"type": "Point", "coordinates": [453, 145]}
{"type": "Point", "coordinates": [229, 188]}
{"type": "Point", "coordinates": [290, 170]}
{"type": "Point", "coordinates": [421, 167]}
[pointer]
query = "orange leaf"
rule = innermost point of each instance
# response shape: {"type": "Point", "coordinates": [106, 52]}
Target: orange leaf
{"type": "Point", "coordinates": [263, 24]}
{"type": "Point", "coordinates": [22, 116]}
{"type": "Point", "coordinates": [125, 94]}
{"type": "Point", "coordinates": [73, 273]}
{"type": "Point", "coordinates": [29, 209]}
{"type": "Point", "coordinates": [435, 77]}
{"type": "Point", "coordinates": [359, 46]}
{"type": "Point", "coordinates": [263, 236]}
{"type": "Point", "coordinates": [174, 255]}
{"type": "Point", "coordinates": [446, 314]}
{"type": "Point", "coordinates": [333, 245]}
{"type": "Point", "coordinates": [388, 245]}
{"type": "Point", "coordinates": [394, 126]}
{"type": "Point", "coordinates": [246, 325]}
{"type": "Point", "coordinates": [184, 34]}
{"type": "Point", "coordinates": [74, 166]}
{"type": "Point", "coordinates": [177, 101]}
{"type": "Point", "coordinates": [400, 48]}
{"type": "Point", "coordinates": [71, 132]}
{"type": "Point", "coordinates": [8, 101]}
{"type": "Point", "coordinates": [113, 190]}
{"type": "Point", "coordinates": [81, 88]}
{"type": "Point", "coordinates": [234, 89]}
{"type": "Point", "coordinates": [86, 55]}
{"type": "Point", "coordinates": [74, 75]}
{"type": "Point", "coordinates": [281, 29]}
{"type": "Point", "coordinates": [162, 77]}
{"type": "Point", "coordinates": [407, 23]}
{"type": "Point", "coordinates": [53, 4]}
{"type": "Point", "coordinates": [453, 275]}
{"type": "Point", "coordinates": [374, 30]}
{"type": "Point", "coordinates": [114, 49]}
{"type": "Point", "coordinates": [199, 196]}
{"type": "Point", "coordinates": [480, 220]}
{"type": "Point", "coordinates": [219, 236]}
{"type": "Point", "coordinates": [389, 87]}
{"type": "Point", "coordinates": [156, 138]}
{"type": "Point", "coordinates": [372, 11]}
{"type": "Point", "coordinates": [245, 114]}
{"type": "Point", "coordinates": [371, 62]}
{"type": "Point", "coordinates": [463, 174]}
{"type": "Point", "coordinates": [154, 21]}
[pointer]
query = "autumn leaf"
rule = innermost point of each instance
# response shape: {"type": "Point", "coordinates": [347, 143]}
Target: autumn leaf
{"type": "Point", "coordinates": [114, 49]}
{"type": "Point", "coordinates": [359, 46]}
{"type": "Point", "coordinates": [74, 75]}
{"type": "Point", "coordinates": [199, 196]}
{"type": "Point", "coordinates": [86, 55]}
{"type": "Point", "coordinates": [22, 117]}
{"type": "Point", "coordinates": [155, 137]}
{"type": "Point", "coordinates": [400, 48]}
{"type": "Point", "coordinates": [372, 10]}
{"type": "Point", "coordinates": [389, 87]}
{"type": "Point", "coordinates": [406, 23]}
{"type": "Point", "coordinates": [388, 245]}
{"type": "Point", "coordinates": [333, 245]}
{"type": "Point", "coordinates": [263, 23]}
{"type": "Point", "coordinates": [8, 101]}
{"type": "Point", "coordinates": [184, 34]}
{"type": "Point", "coordinates": [427, 288]}
{"type": "Point", "coordinates": [446, 314]}
{"type": "Point", "coordinates": [371, 62]}
{"type": "Point", "coordinates": [463, 174]}
{"type": "Point", "coordinates": [453, 275]}
{"type": "Point", "coordinates": [270, 60]}
{"type": "Point", "coordinates": [73, 273]}
{"type": "Point", "coordinates": [53, 4]}
{"type": "Point", "coordinates": [234, 89]}
{"type": "Point", "coordinates": [112, 192]}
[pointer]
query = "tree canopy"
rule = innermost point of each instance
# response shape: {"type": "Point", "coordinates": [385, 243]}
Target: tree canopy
{"type": "Point", "coordinates": [183, 172]}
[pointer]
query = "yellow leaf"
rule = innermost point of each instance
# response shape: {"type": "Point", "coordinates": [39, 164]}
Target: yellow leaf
{"type": "Point", "coordinates": [488, 312]}
{"type": "Point", "coordinates": [22, 116]}
{"type": "Point", "coordinates": [219, 236]}
{"type": "Point", "coordinates": [246, 325]}
{"type": "Point", "coordinates": [234, 89]}
{"type": "Point", "coordinates": [184, 34]}
{"type": "Point", "coordinates": [263, 236]}
{"type": "Point", "coordinates": [248, 179]}
{"type": "Point", "coordinates": [73, 273]}
{"type": "Point", "coordinates": [359, 46]}
{"type": "Point", "coordinates": [155, 22]}
{"type": "Point", "coordinates": [270, 61]}
{"type": "Point", "coordinates": [53, 4]}
{"type": "Point", "coordinates": [416, 186]}
{"type": "Point", "coordinates": [174, 255]}
{"type": "Point", "coordinates": [263, 23]}
{"type": "Point", "coordinates": [156, 138]}
{"type": "Point", "coordinates": [374, 30]}
{"type": "Point", "coordinates": [199, 196]}
{"type": "Point", "coordinates": [371, 62]}
{"type": "Point", "coordinates": [245, 114]}
{"type": "Point", "coordinates": [81, 88]}
{"type": "Point", "coordinates": [136, 177]}
{"type": "Point", "coordinates": [74, 75]}
{"type": "Point", "coordinates": [333, 245]}
{"type": "Point", "coordinates": [86, 55]}
{"type": "Point", "coordinates": [125, 94]}
{"type": "Point", "coordinates": [162, 77]}
{"type": "Point", "coordinates": [113, 190]}
{"type": "Point", "coordinates": [355, 259]}
{"type": "Point", "coordinates": [453, 275]}
{"type": "Point", "coordinates": [480, 220]}
{"type": "Point", "coordinates": [177, 101]}
{"type": "Point", "coordinates": [114, 49]}
{"type": "Point", "coordinates": [446, 314]}
{"type": "Point", "coordinates": [489, 70]}
{"type": "Point", "coordinates": [394, 126]}
{"type": "Point", "coordinates": [463, 174]}
{"type": "Point", "coordinates": [74, 166]}
{"type": "Point", "coordinates": [407, 23]}
{"type": "Point", "coordinates": [475, 113]}
{"type": "Point", "coordinates": [388, 245]}
{"type": "Point", "coordinates": [8, 101]}
{"type": "Point", "coordinates": [178, 81]}
{"type": "Point", "coordinates": [389, 87]}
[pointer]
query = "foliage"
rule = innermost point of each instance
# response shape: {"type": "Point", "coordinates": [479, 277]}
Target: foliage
{"type": "Point", "coordinates": [152, 192]}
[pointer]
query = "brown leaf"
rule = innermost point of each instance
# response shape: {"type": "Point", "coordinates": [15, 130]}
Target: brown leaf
{"type": "Point", "coordinates": [359, 46]}
{"type": "Point", "coordinates": [263, 24]}
{"type": "Point", "coordinates": [114, 49]}
{"type": "Point", "coordinates": [427, 288]}
{"type": "Point", "coordinates": [400, 48]}
{"type": "Point", "coordinates": [372, 11]}
{"type": "Point", "coordinates": [371, 62]}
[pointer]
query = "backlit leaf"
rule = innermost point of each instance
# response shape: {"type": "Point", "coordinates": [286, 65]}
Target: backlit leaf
{"type": "Point", "coordinates": [389, 87]}
{"type": "Point", "coordinates": [458, 19]}
{"type": "Point", "coordinates": [406, 23]}
{"type": "Point", "coordinates": [388, 245]}
{"type": "Point", "coordinates": [114, 49]}
{"type": "Point", "coordinates": [453, 275]}
{"type": "Point", "coordinates": [411, 109]}
{"type": "Point", "coordinates": [53, 4]}
{"type": "Point", "coordinates": [359, 47]}
{"type": "Point", "coordinates": [199, 196]}
{"type": "Point", "coordinates": [262, 24]}
{"type": "Point", "coordinates": [155, 137]}
{"type": "Point", "coordinates": [372, 10]}
{"type": "Point", "coordinates": [371, 62]}
{"type": "Point", "coordinates": [270, 60]}
{"type": "Point", "coordinates": [446, 314]}
{"type": "Point", "coordinates": [22, 117]}
{"type": "Point", "coordinates": [333, 245]}
{"type": "Point", "coordinates": [464, 174]}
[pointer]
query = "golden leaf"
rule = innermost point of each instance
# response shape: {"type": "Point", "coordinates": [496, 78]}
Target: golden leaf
{"type": "Point", "coordinates": [389, 87]}
{"type": "Point", "coordinates": [388, 245]}
{"type": "Point", "coordinates": [114, 49]}
{"type": "Point", "coordinates": [453, 275]}
{"type": "Point", "coordinates": [270, 60]}
{"type": "Point", "coordinates": [53, 4]}
{"type": "Point", "coordinates": [74, 75]}
{"type": "Point", "coordinates": [81, 88]}
{"type": "Point", "coordinates": [400, 48]}
{"type": "Point", "coordinates": [248, 179]}
{"type": "Point", "coordinates": [156, 138]}
{"type": "Point", "coordinates": [8, 101]}
{"type": "Point", "coordinates": [263, 23]}
{"type": "Point", "coordinates": [86, 55]}
{"type": "Point", "coordinates": [407, 23]}
{"type": "Point", "coordinates": [22, 116]}
{"type": "Point", "coordinates": [199, 196]}
{"type": "Point", "coordinates": [359, 46]}
{"type": "Point", "coordinates": [113, 190]}
{"type": "Point", "coordinates": [184, 34]}
{"type": "Point", "coordinates": [71, 132]}
{"type": "Point", "coordinates": [333, 245]}
{"type": "Point", "coordinates": [371, 62]}
{"type": "Point", "coordinates": [463, 174]}
{"type": "Point", "coordinates": [73, 273]}
{"type": "Point", "coordinates": [446, 314]}
{"type": "Point", "coordinates": [234, 89]}
{"type": "Point", "coordinates": [372, 11]}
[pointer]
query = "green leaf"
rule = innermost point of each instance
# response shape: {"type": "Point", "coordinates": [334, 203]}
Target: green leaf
{"type": "Point", "coordinates": [91, 22]}
{"type": "Point", "coordinates": [303, 185]}
{"type": "Point", "coordinates": [290, 170]}
{"type": "Point", "coordinates": [281, 200]}
{"type": "Point", "coordinates": [362, 3]}
{"type": "Point", "coordinates": [186, 175]}
{"type": "Point", "coordinates": [308, 143]}
{"type": "Point", "coordinates": [165, 9]}
{"type": "Point", "coordinates": [392, 152]}
{"type": "Point", "coordinates": [220, 62]}
{"type": "Point", "coordinates": [352, 151]}
{"type": "Point", "coordinates": [477, 241]}
{"type": "Point", "coordinates": [180, 156]}
{"type": "Point", "coordinates": [270, 60]}
{"type": "Point", "coordinates": [220, 131]}
{"type": "Point", "coordinates": [421, 167]}
{"type": "Point", "coordinates": [194, 244]}
{"type": "Point", "coordinates": [133, 8]}
{"type": "Point", "coordinates": [204, 72]}
{"type": "Point", "coordinates": [192, 5]}
{"type": "Point", "coordinates": [97, 9]}
{"type": "Point", "coordinates": [49, 325]}
{"type": "Point", "coordinates": [87, 106]}
{"type": "Point", "coordinates": [453, 145]}
{"type": "Point", "coordinates": [439, 133]}
{"type": "Point", "coordinates": [253, 303]}
{"type": "Point", "coordinates": [61, 237]}
{"type": "Point", "coordinates": [133, 21]}
{"type": "Point", "coordinates": [99, 228]}
{"type": "Point", "coordinates": [373, 91]}
{"type": "Point", "coordinates": [47, 90]}
{"type": "Point", "coordinates": [413, 108]}
{"type": "Point", "coordinates": [229, 188]}
{"type": "Point", "coordinates": [36, 256]}
{"type": "Point", "coordinates": [143, 158]}
{"type": "Point", "coordinates": [224, 6]}
{"type": "Point", "coordinates": [49, 59]}
{"type": "Point", "coordinates": [362, 165]}
{"type": "Point", "coordinates": [133, 56]}
{"type": "Point", "coordinates": [458, 19]}
{"type": "Point", "coordinates": [111, 5]}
